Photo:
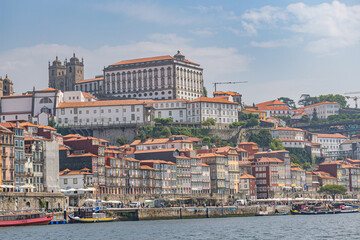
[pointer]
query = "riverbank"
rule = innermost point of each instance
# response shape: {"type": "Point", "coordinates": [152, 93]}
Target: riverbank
{"type": "Point", "coordinates": [187, 212]}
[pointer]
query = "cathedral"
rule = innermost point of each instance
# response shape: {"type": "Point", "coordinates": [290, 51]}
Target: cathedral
{"type": "Point", "coordinates": [64, 76]}
{"type": "Point", "coordinates": [6, 87]}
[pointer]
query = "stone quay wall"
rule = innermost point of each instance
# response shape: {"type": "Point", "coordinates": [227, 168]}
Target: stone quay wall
{"type": "Point", "coordinates": [12, 201]}
{"type": "Point", "coordinates": [200, 212]}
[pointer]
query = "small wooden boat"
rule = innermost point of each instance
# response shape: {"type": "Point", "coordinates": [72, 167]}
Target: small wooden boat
{"type": "Point", "coordinates": [88, 216]}
{"type": "Point", "coordinates": [27, 217]}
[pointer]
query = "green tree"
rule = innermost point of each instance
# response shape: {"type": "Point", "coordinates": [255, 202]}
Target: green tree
{"type": "Point", "coordinates": [334, 98]}
{"type": "Point", "coordinates": [305, 118]}
{"type": "Point", "coordinates": [288, 101]}
{"type": "Point", "coordinates": [263, 138]}
{"type": "Point", "coordinates": [333, 190]}
{"type": "Point", "coordinates": [306, 100]}
{"type": "Point", "coordinates": [206, 140]}
{"type": "Point", "coordinates": [205, 94]}
{"type": "Point", "coordinates": [315, 116]}
{"type": "Point", "coordinates": [165, 132]}
{"type": "Point", "coordinates": [276, 144]}
{"type": "Point", "coordinates": [121, 140]}
{"type": "Point", "coordinates": [306, 166]}
{"type": "Point", "coordinates": [252, 122]}
{"type": "Point", "coordinates": [209, 122]}
{"type": "Point", "coordinates": [163, 121]}
{"type": "Point", "coordinates": [52, 123]}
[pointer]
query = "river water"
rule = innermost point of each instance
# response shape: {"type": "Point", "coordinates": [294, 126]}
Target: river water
{"type": "Point", "coordinates": [339, 226]}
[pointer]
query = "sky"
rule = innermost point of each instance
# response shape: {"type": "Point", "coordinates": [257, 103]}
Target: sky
{"type": "Point", "coordinates": [281, 48]}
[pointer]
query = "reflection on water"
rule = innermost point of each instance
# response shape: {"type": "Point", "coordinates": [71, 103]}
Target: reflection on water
{"type": "Point", "coordinates": [342, 226]}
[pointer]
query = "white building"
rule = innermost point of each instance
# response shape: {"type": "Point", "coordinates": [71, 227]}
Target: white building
{"type": "Point", "coordinates": [174, 108]}
{"type": "Point", "coordinates": [173, 142]}
{"type": "Point", "coordinates": [27, 106]}
{"type": "Point", "coordinates": [162, 77]}
{"type": "Point", "coordinates": [92, 86]}
{"type": "Point", "coordinates": [323, 110]}
{"type": "Point", "coordinates": [77, 96]}
{"type": "Point", "coordinates": [102, 113]}
{"type": "Point", "coordinates": [330, 144]}
{"type": "Point", "coordinates": [78, 179]}
{"type": "Point", "coordinates": [287, 133]}
{"type": "Point", "coordinates": [203, 108]}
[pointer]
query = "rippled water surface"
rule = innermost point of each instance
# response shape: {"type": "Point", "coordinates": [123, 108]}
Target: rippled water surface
{"type": "Point", "coordinates": [342, 226]}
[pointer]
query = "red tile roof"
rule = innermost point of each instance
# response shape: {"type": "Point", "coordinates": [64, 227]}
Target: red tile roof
{"type": "Point", "coordinates": [156, 150]}
{"type": "Point", "coordinates": [90, 80]}
{"type": "Point", "coordinates": [101, 103]}
{"type": "Point", "coordinates": [150, 59]}
{"type": "Point", "coordinates": [213, 100]}
{"type": "Point", "coordinates": [246, 176]}
{"type": "Point", "coordinates": [48, 90]}
{"type": "Point", "coordinates": [288, 129]}
{"type": "Point", "coordinates": [322, 103]}
{"type": "Point", "coordinates": [336, 135]}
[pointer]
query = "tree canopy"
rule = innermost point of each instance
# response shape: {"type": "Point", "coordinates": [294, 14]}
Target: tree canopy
{"type": "Point", "coordinates": [333, 190]}
{"type": "Point", "coordinates": [288, 101]}
{"type": "Point", "coordinates": [121, 140]}
{"type": "Point", "coordinates": [263, 138]}
{"type": "Point", "coordinates": [306, 99]}
{"type": "Point", "coordinates": [163, 121]}
{"type": "Point", "coordinates": [209, 122]}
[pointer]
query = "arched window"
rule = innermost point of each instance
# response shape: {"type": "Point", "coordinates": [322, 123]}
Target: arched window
{"type": "Point", "coordinates": [46, 100]}
{"type": "Point", "coordinates": [45, 110]}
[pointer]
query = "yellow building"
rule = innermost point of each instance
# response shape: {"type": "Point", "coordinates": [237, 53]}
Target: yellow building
{"type": "Point", "coordinates": [233, 163]}
{"type": "Point", "coordinates": [261, 114]}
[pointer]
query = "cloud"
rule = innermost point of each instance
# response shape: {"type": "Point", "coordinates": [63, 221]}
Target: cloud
{"type": "Point", "coordinates": [28, 66]}
{"type": "Point", "coordinates": [288, 42]}
{"type": "Point", "coordinates": [205, 32]}
{"type": "Point", "coordinates": [325, 26]}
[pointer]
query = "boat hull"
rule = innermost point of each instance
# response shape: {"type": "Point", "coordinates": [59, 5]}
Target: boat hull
{"type": "Point", "coordinates": [90, 220]}
{"type": "Point", "coordinates": [34, 221]}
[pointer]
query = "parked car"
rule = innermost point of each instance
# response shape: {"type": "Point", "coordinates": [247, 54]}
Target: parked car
{"type": "Point", "coordinates": [135, 205]}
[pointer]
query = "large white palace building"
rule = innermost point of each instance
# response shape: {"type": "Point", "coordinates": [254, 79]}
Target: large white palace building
{"type": "Point", "coordinates": [162, 77]}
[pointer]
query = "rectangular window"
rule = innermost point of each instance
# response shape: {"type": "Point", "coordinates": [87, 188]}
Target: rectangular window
{"type": "Point", "coordinates": [132, 117]}
{"type": "Point", "coordinates": [65, 181]}
{"type": "Point", "coordinates": [133, 108]}
{"type": "Point", "coordinates": [75, 181]}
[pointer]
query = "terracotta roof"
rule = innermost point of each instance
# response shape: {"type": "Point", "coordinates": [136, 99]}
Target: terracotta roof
{"type": "Point", "coordinates": [248, 143]}
{"type": "Point", "coordinates": [156, 150]}
{"type": "Point", "coordinates": [322, 103]}
{"type": "Point", "coordinates": [269, 160]}
{"type": "Point", "coordinates": [87, 95]}
{"type": "Point", "coordinates": [90, 80]}
{"type": "Point", "coordinates": [150, 59]}
{"type": "Point", "coordinates": [227, 93]}
{"type": "Point", "coordinates": [48, 90]}
{"type": "Point", "coordinates": [83, 155]}
{"type": "Point", "coordinates": [83, 171]}
{"type": "Point", "coordinates": [17, 96]}
{"type": "Point", "coordinates": [336, 135]}
{"type": "Point", "coordinates": [204, 165]}
{"type": "Point", "coordinates": [13, 113]}
{"type": "Point", "coordinates": [146, 167]}
{"type": "Point", "coordinates": [288, 129]}
{"type": "Point", "coordinates": [100, 103]}
{"type": "Point", "coordinates": [213, 100]}
{"type": "Point", "coordinates": [27, 124]}
{"type": "Point", "coordinates": [323, 174]}
{"type": "Point", "coordinates": [9, 125]}
{"type": "Point", "coordinates": [47, 127]}
{"type": "Point", "coordinates": [245, 176]}
{"type": "Point", "coordinates": [206, 155]}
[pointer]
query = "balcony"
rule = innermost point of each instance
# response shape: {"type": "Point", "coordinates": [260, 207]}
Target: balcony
{"type": "Point", "coordinates": [29, 174]}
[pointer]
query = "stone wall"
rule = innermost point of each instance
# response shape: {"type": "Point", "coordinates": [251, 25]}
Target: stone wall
{"type": "Point", "coordinates": [111, 134]}
{"type": "Point", "coordinates": [19, 201]}
{"type": "Point", "coordinates": [199, 212]}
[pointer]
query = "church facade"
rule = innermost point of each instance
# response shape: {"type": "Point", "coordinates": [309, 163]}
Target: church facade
{"type": "Point", "coordinates": [64, 76]}
{"type": "Point", "coordinates": [163, 77]}
{"type": "Point", "coordinates": [6, 87]}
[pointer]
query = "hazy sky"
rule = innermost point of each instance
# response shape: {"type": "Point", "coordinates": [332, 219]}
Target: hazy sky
{"type": "Point", "coordinates": [282, 48]}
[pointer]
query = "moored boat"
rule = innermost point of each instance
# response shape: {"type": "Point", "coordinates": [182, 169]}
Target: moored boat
{"type": "Point", "coordinates": [87, 215]}
{"type": "Point", "coordinates": [22, 218]}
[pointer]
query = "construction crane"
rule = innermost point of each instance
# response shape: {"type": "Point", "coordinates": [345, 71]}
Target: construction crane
{"type": "Point", "coordinates": [216, 83]}
{"type": "Point", "coordinates": [355, 98]}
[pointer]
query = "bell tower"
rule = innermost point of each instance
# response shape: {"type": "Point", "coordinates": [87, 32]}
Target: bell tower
{"type": "Point", "coordinates": [57, 75]}
{"type": "Point", "coordinates": [74, 72]}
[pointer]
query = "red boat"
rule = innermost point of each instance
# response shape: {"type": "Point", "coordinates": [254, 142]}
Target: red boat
{"type": "Point", "coordinates": [23, 218]}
